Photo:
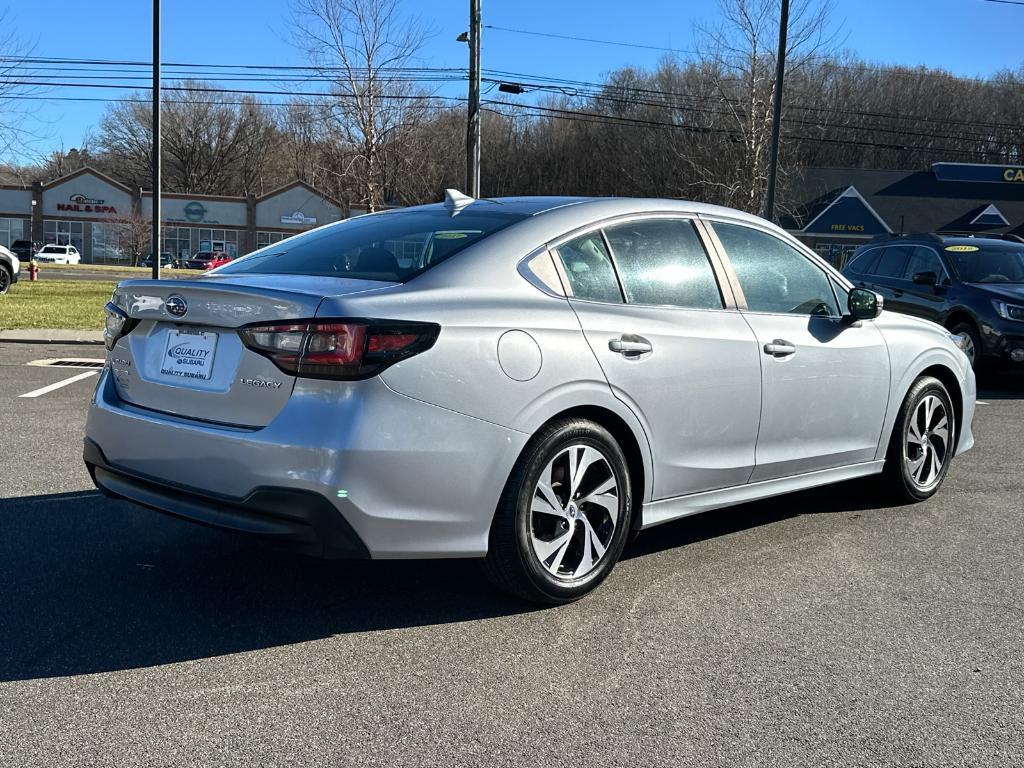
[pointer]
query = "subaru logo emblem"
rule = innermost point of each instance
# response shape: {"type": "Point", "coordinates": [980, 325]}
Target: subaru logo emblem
{"type": "Point", "coordinates": [176, 306]}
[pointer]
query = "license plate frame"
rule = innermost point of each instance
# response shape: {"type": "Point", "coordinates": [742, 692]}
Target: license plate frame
{"type": "Point", "coordinates": [196, 352]}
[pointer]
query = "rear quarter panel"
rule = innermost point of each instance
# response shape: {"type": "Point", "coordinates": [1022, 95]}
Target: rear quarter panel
{"type": "Point", "coordinates": [513, 356]}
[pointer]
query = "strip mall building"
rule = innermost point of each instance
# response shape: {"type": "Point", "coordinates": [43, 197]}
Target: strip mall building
{"type": "Point", "coordinates": [94, 213]}
{"type": "Point", "coordinates": [841, 208]}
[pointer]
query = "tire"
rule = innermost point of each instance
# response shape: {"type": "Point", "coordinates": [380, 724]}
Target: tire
{"type": "Point", "coordinates": [538, 549]}
{"type": "Point", "coordinates": [5, 279]}
{"type": "Point", "coordinates": [974, 343]}
{"type": "Point", "coordinates": [913, 473]}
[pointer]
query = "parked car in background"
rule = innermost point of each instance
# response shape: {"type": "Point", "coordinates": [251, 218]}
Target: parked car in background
{"type": "Point", "coordinates": [167, 260]}
{"type": "Point", "coordinates": [207, 260]}
{"type": "Point", "coordinates": [58, 254]}
{"type": "Point", "coordinates": [24, 249]}
{"type": "Point", "coordinates": [563, 373]}
{"type": "Point", "coordinates": [972, 286]}
{"type": "Point", "coordinates": [10, 269]}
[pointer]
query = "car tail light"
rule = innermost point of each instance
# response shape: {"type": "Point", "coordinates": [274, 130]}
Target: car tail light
{"type": "Point", "coordinates": [116, 324]}
{"type": "Point", "coordinates": [339, 349]}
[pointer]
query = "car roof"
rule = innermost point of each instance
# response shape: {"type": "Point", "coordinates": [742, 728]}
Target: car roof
{"type": "Point", "coordinates": [593, 207]}
{"type": "Point", "coordinates": [940, 239]}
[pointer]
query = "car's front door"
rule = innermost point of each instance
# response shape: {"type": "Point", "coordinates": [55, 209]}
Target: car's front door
{"type": "Point", "coordinates": [671, 346]}
{"type": "Point", "coordinates": [825, 380]}
{"type": "Point", "coordinates": [919, 298]}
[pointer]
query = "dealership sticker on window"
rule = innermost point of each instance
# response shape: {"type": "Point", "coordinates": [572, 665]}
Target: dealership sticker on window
{"type": "Point", "coordinates": [189, 355]}
{"type": "Point", "coordinates": [961, 248]}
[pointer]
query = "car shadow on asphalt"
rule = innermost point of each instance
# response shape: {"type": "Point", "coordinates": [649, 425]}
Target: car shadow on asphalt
{"type": "Point", "coordinates": [853, 497]}
{"type": "Point", "coordinates": [92, 585]}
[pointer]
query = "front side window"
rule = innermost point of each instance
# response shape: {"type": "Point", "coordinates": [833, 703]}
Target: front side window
{"type": "Point", "coordinates": [588, 268]}
{"type": "Point", "coordinates": [374, 247]}
{"type": "Point", "coordinates": [662, 261]}
{"type": "Point", "coordinates": [924, 260]}
{"type": "Point", "coordinates": [775, 276]}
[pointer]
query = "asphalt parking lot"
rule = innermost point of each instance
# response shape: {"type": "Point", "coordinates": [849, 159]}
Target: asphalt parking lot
{"type": "Point", "coordinates": [817, 629]}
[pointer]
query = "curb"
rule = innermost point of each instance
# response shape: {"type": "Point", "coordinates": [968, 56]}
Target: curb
{"type": "Point", "coordinates": [51, 337]}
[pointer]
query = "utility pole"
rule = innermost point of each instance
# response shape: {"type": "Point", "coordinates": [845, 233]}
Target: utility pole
{"type": "Point", "coordinates": [473, 129]}
{"type": "Point", "coordinates": [780, 72]}
{"type": "Point", "coordinates": [156, 244]}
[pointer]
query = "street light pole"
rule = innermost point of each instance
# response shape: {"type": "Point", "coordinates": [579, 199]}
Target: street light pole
{"type": "Point", "coordinates": [156, 245]}
{"type": "Point", "coordinates": [780, 72]}
{"type": "Point", "coordinates": [473, 128]}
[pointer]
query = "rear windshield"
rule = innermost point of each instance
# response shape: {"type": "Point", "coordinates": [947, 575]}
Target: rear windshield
{"type": "Point", "coordinates": [394, 246]}
{"type": "Point", "coordinates": [1003, 263]}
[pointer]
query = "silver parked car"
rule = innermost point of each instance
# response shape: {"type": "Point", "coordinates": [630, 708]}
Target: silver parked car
{"type": "Point", "coordinates": [527, 380]}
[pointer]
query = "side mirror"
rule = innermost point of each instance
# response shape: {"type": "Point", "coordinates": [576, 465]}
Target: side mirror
{"type": "Point", "coordinates": [925, 278]}
{"type": "Point", "coordinates": [864, 304]}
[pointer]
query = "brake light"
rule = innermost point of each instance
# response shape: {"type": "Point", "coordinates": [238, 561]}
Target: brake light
{"type": "Point", "coordinates": [339, 349]}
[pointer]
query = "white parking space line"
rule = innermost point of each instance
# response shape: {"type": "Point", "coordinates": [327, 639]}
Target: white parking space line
{"type": "Point", "coordinates": [59, 384]}
{"type": "Point", "coordinates": [980, 402]}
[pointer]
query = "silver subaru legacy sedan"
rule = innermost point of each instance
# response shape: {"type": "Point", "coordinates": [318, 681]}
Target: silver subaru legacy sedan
{"type": "Point", "coordinates": [529, 381]}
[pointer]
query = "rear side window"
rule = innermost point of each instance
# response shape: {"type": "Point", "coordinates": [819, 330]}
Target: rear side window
{"type": "Point", "coordinates": [662, 261]}
{"type": "Point", "coordinates": [893, 262]}
{"type": "Point", "coordinates": [588, 268]}
{"type": "Point", "coordinates": [775, 276]}
{"type": "Point", "coordinates": [865, 262]}
{"type": "Point", "coordinates": [393, 246]}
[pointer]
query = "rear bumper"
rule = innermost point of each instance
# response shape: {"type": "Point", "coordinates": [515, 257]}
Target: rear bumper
{"type": "Point", "coordinates": [301, 520]}
{"type": "Point", "coordinates": [345, 467]}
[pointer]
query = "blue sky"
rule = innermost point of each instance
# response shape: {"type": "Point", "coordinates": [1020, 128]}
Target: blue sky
{"type": "Point", "coordinates": [970, 37]}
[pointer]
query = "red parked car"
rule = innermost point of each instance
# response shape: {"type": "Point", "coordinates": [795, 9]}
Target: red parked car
{"type": "Point", "coordinates": [207, 260]}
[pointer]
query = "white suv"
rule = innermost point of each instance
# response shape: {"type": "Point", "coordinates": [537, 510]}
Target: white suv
{"type": "Point", "coordinates": [9, 269]}
{"type": "Point", "coordinates": [59, 254]}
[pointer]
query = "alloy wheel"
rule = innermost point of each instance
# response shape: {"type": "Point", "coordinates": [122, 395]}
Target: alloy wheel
{"type": "Point", "coordinates": [574, 512]}
{"type": "Point", "coordinates": [927, 442]}
{"type": "Point", "coordinates": [5, 280]}
{"type": "Point", "coordinates": [969, 348]}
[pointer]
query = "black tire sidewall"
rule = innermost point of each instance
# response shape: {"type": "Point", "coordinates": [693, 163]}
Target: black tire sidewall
{"type": "Point", "coordinates": [6, 279]}
{"type": "Point", "coordinates": [546, 449]}
{"type": "Point", "coordinates": [923, 387]}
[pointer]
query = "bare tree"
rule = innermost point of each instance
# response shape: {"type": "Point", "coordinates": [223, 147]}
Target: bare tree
{"type": "Point", "coordinates": [361, 47]}
{"type": "Point", "coordinates": [15, 95]}
{"type": "Point", "coordinates": [740, 62]}
{"type": "Point", "coordinates": [208, 145]}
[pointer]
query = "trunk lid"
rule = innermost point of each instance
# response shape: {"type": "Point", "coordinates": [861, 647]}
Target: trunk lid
{"type": "Point", "coordinates": [185, 357]}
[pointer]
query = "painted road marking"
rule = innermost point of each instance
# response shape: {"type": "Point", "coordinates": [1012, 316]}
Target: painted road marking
{"type": "Point", "coordinates": [980, 402]}
{"type": "Point", "coordinates": [59, 384]}
{"type": "Point", "coordinates": [69, 362]}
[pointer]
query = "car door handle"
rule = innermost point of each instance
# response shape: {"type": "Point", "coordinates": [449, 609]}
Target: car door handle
{"type": "Point", "coordinates": [779, 348]}
{"type": "Point", "coordinates": [629, 345]}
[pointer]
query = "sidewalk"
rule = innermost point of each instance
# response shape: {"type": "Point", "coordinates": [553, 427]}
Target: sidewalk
{"type": "Point", "coordinates": [51, 336]}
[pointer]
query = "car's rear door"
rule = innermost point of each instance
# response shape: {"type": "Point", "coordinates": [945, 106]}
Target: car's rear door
{"type": "Point", "coordinates": [825, 380]}
{"type": "Point", "coordinates": [671, 345]}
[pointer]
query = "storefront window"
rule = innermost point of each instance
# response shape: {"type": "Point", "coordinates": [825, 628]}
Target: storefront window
{"type": "Point", "coordinates": [106, 245]}
{"type": "Point", "coordinates": [65, 233]}
{"type": "Point", "coordinates": [11, 230]}
{"type": "Point", "coordinates": [263, 239]}
{"type": "Point", "coordinates": [219, 240]}
{"type": "Point", "coordinates": [177, 241]}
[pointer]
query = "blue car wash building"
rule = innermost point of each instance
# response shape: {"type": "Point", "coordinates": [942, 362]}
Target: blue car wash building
{"type": "Point", "coordinates": [839, 209]}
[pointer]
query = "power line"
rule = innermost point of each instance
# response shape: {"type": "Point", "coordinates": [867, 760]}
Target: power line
{"type": "Point", "coordinates": [589, 39]}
